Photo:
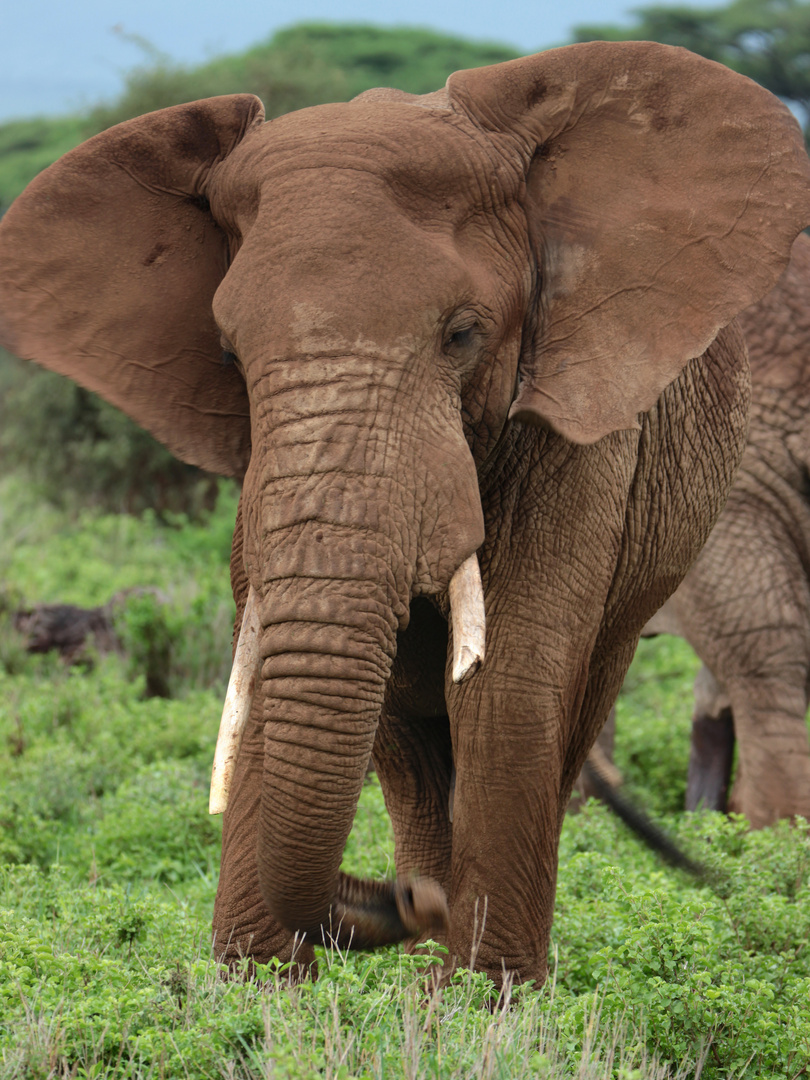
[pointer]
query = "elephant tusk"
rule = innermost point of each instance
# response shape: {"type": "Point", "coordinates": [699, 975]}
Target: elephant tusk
{"type": "Point", "coordinates": [469, 622]}
{"type": "Point", "coordinates": [238, 700]}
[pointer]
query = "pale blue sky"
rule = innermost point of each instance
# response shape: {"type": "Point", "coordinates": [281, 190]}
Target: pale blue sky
{"type": "Point", "coordinates": [57, 55]}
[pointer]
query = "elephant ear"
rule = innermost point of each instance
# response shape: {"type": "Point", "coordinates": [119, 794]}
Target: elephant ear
{"type": "Point", "coordinates": [109, 261]}
{"type": "Point", "coordinates": [663, 194]}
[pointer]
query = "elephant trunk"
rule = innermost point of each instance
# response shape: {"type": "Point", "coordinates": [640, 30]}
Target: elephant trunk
{"type": "Point", "coordinates": [326, 648]}
{"type": "Point", "coordinates": [327, 645]}
{"type": "Point", "coordinates": [348, 520]}
{"type": "Point", "coordinates": [469, 649]}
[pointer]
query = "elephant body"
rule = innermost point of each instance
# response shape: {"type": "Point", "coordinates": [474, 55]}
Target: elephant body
{"type": "Point", "coordinates": [745, 605]}
{"type": "Point", "coordinates": [510, 799]}
{"type": "Point", "coordinates": [495, 319]}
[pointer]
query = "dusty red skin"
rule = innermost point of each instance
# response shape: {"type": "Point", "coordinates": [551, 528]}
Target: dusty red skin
{"type": "Point", "coordinates": [551, 239]}
{"type": "Point", "coordinates": [745, 605]}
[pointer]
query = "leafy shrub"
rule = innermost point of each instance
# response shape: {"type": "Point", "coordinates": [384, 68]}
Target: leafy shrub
{"type": "Point", "coordinates": [76, 450]}
{"type": "Point", "coordinates": [29, 146]}
{"type": "Point", "coordinates": [155, 827]}
{"type": "Point", "coordinates": [653, 723]}
{"type": "Point", "coordinates": [307, 64]}
{"type": "Point", "coordinates": [182, 635]}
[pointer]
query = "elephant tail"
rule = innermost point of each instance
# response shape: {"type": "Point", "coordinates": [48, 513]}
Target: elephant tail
{"type": "Point", "coordinates": [600, 773]}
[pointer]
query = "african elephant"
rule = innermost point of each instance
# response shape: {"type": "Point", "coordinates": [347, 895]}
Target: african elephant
{"type": "Point", "coordinates": [745, 605]}
{"type": "Point", "coordinates": [495, 319]}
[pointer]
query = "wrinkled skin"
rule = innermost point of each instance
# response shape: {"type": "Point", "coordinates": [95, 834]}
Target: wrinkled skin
{"type": "Point", "coordinates": [745, 605]}
{"type": "Point", "coordinates": [449, 313]}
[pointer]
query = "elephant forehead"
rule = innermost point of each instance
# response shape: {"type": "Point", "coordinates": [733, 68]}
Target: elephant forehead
{"type": "Point", "coordinates": [350, 273]}
{"type": "Point", "coordinates": [429, 158]}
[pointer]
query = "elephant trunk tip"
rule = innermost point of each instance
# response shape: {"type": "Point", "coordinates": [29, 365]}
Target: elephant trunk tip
{"type": "Point", "coordinates": [422, 906]}
{"type": "Point", "coordinates": [369, 914]}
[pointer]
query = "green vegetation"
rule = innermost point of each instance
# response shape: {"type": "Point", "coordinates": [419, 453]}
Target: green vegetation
{"type": "Point", "coordinates": [29, 146]}
{"type": "Point", "coordinates": [767, 40]}
{"type": "Point", "coordinates": [108, 868]}
{"type": "Point", "coordinates": [76, 450]}
{"type": "Point", "coordinates": [304, 65]}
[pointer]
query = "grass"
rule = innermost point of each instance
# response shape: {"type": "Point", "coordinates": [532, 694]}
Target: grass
{"type": "Point", "coordinates": [108, 869]}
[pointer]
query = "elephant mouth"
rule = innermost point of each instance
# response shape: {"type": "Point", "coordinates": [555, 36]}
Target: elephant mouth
{"type": "Point", "coordinates": [469, 646]}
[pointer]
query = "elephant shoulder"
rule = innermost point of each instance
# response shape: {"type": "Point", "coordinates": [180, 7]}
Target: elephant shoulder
{"type": "Point", "coordinates": [689, 449]}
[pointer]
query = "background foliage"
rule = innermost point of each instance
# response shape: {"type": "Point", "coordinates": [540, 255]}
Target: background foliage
{"type": "Point", "coordinates": [108, 864]}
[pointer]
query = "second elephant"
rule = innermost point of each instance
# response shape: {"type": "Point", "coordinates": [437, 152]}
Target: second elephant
{"type": "Point", "coordinates": [745, 605]}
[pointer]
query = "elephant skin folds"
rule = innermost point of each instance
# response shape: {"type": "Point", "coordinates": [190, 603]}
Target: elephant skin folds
{"type": "Point", "coordinates": [745, 605]}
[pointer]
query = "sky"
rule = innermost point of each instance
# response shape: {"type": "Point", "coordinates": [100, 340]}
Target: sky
{"type": "Point", "coordinates": [60, 55]}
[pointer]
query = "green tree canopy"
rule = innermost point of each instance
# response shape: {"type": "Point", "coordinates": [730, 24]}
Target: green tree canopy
{"type": "Point", "coordinates": [306, 64]}
{"type": "Point", "coordinates": [767, 40]}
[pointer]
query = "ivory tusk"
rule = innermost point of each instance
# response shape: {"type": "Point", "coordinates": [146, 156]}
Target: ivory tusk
{"type": "Point", "coordinates": [469, 623]}
{"type": "Point", "coordinates": [238, 700]}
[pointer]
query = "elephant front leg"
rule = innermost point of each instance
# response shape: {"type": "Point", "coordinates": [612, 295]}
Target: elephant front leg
{"type": "Point", "coordinates": [509, 743]}
{"type": "Point", "coordinates": [242, 925]}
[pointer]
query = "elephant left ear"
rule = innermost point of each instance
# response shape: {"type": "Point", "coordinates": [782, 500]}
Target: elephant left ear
{"type": "Point", "coordinates": [663, 194]}
{"type": "Point", "coordinates": [109, 261]}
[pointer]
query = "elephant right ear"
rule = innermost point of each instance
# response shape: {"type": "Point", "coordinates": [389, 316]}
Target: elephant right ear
{"type": "Point", "coordinates": [663, 193]}
{"type": "Point", "coordinates": [109, 262]}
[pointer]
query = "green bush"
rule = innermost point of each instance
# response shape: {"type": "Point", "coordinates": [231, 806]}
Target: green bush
{"type": "Point", "coordinates": [29, 146]}
{"type": "Point", "coordinates": [78, 451]}
{"type": "Point", "coordinates": [307, 64]}
{"type": "Point", "coordinates": [176, 611]}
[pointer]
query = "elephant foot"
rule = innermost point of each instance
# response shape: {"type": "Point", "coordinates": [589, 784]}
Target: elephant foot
{"type": "Point", "coordinates": [239, 951]}
{"type": "Point", "coordinates": [710, 762]}
{"type": "Point", "coordinates": [764, 805]}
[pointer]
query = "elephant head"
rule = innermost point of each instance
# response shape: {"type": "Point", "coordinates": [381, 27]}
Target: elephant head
{"type": "Point", "coordinates": [391, 281]}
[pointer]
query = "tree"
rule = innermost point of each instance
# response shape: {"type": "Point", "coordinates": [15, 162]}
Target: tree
{"type": "Point", "coordinates": [306, 64]}
{"type": "Point", "coordinates": [767, 40]}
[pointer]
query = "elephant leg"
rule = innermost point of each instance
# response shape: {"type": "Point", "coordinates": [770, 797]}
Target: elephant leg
{"type": "Point", "coordinates": [414, 761]}
{"type": "Point", "coordinates": [509, 744]}
{"type": "Point", "coordinates": [745, 608]}
{"type": "Point", "coordinates": [773, 773]}
{"type": "Point", "coordinates": [584, 788]}
{"type": "Point", "coordinates": [242, 925]}
{"type": "Point", "coordinates": [412, 751]}
{"type": "Point", "coordinates": [712, 747]}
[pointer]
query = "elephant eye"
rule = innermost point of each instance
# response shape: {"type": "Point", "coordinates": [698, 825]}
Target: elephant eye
{"type": "Point", "coordinates": [460, 340]}
{"type": "Point", "coordinates": [229, 359]}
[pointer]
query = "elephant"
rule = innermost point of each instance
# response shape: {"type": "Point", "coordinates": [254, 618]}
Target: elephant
{"type": "Point", "coordinates": [744, 607]}
{"type": "Point", "coordinates": [474, 356]}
